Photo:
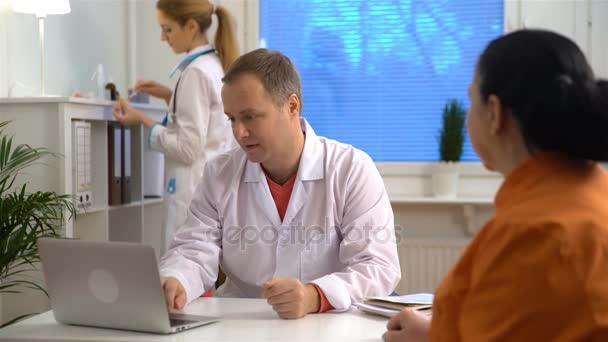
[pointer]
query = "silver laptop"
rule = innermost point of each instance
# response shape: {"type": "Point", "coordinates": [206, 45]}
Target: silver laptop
{"type": "Point", "coordinates": [109, 285]}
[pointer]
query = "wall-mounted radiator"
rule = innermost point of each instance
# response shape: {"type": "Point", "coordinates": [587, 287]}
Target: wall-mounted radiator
{"type": "Point", "coordinates": [424, 262]}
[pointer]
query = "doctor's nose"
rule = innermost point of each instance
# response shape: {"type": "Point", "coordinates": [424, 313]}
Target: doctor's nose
{"type": "Point", "coordinates": [239, 130]}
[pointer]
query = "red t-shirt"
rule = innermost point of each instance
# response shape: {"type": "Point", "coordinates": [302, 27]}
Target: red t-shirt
{"type": "Point", "coordinates": [281, 195]}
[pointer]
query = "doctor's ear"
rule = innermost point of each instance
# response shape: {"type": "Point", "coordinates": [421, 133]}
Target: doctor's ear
{"type": "Point", "coordinates": [293, 103]}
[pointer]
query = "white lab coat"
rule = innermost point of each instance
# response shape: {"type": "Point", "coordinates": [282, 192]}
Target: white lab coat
{"type": "Point", "coordinates": [197, 131]}
{"type": "Point", "coordinates": [338, 230]}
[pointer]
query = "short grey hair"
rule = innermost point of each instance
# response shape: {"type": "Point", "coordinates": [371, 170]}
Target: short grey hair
{"type": "Point", "coordinates": [275, 70]}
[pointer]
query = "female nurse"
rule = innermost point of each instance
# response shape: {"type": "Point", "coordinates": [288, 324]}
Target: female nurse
{"type": "Point", "coordinates": [195, 128]}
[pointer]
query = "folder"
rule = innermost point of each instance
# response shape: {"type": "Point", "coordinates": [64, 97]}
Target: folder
{"type": "Point", "coordinates": [153, 171]}
{"type": "Point", "coordinates": [126, 165]}
{"type": "Point", "coordinates": [114, 164]}
{"type": "Point", "coordinates": [81, 164]}
{"type": "Point", "coordinates": [391, 305]}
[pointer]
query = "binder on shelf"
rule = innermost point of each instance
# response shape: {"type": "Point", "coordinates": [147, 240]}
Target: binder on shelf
{"type": "Point", "coordinates": [114, 164]}
{"type": "Point", "coordinates": [81, 164]}
{"type": "Point", "coordinates": [126, 165]}
{"type": "Point", "coordinates": [154, 172]}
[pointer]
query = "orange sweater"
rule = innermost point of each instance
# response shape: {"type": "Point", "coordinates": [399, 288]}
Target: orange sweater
{"type": "Point", "coordinates": [538, 271]}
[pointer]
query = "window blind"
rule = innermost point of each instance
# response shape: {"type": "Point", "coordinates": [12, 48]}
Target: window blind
{"type": "Point", "coordinates": [376, 74]}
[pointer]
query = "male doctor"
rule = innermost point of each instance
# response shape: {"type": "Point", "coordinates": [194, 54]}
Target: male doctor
{"type": "Point", "coordinates": [300, 220]}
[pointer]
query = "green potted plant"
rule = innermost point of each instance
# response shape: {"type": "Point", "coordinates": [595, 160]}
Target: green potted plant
{"type": "Point", "coordinates": [24, 217]}
{"type": "Point", "coordinates": [451, 139]}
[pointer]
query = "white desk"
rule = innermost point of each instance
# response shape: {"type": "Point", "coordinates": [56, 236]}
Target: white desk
{"type": "Point", "coordinates": [240, 320]}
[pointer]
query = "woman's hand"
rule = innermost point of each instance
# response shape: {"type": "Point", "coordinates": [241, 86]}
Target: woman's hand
{"type": "Point", "coordinates": [153, 88]}
{"type": "Point", "coordinates": [409, 325]}
{"type": "Point", "coordinates": [128, 115]}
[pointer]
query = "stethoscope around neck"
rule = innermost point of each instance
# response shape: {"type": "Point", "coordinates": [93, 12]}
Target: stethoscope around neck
{"type": "Point", "coordinates": [186, 60]}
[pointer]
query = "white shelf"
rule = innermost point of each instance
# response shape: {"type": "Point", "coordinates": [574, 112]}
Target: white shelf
{"type": "Point", "coordinates": [439, 200]}
{"type": "Point", "coordinates": [77, 100]}
{"type": "Point", "coordinates": [126, 205]}
{"type": "Point", "coordinates": [118, 207]}
{"type": "Point", "coordinates": [153, 201]}
{"type": "Point", "coordinates": [34, 121]}
{"type": "Point", "coordinates": [91, 210]}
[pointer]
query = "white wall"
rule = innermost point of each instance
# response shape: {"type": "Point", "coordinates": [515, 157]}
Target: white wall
{"type": "Point", "coordinates": [584, 21]}
{"type": "Point", "coordinates": [153, 59]}
{"type": "Point", "coordinates": [94, 32]}
{"type": "Point", "coordinates": [3, 47]}
{"type": "Point", "coordinates": [599, 40]}
{"type": "Point", "coordinates": [123, 35]}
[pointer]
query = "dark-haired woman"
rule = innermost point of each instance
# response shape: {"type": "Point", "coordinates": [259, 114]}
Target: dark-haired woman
{"type": "Point", "coordinates": [537, 271]}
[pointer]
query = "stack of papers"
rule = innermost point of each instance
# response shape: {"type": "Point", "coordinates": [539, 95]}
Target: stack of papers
{"type": "Point", "coordinates": [391, 305]}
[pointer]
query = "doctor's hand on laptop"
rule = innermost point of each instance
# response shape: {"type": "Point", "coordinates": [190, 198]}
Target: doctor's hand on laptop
{"type": "Point", "coordinates": [175, 294]}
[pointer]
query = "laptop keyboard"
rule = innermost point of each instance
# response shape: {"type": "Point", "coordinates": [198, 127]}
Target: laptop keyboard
{"type": "Point", "coordinates": [178, 322]}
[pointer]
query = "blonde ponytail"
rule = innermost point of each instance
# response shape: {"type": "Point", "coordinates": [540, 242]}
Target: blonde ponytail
{"type": "Point", "coordinates": [225, 39]}
{"type": "Point", "coordinates": [202, 11]}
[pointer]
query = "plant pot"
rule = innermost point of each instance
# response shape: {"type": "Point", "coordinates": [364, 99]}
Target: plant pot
{"type": "Point", "coordinates": [445, 179]}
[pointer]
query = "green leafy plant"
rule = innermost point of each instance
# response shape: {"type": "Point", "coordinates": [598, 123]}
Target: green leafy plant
{"type": "Point", "coordinates": [24, 217]}
{"type": "Point", "coordinates": [451, 134]}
